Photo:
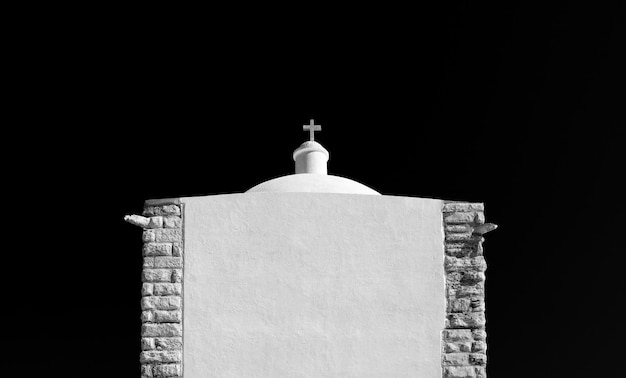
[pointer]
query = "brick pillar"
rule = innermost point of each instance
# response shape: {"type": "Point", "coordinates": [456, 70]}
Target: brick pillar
{"type": "Point", "coordinates": [161, 302]}
{"type": "Point", "coordinates": [464, 339]}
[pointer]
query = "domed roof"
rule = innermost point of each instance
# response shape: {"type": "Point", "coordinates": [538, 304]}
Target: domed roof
{"type": "Point", "coordinates": [311, 175]}
{"type": "Point", "coordinates": [313, 183]}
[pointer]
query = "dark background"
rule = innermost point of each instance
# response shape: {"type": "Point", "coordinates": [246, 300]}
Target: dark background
{"type": "Point", "coordinates": [514, 105]}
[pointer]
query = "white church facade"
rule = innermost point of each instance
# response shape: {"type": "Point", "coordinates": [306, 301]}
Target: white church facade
{"type": "Point", "coordinates": [312, 275]}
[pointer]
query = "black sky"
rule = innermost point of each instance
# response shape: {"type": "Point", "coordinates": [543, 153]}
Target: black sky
{"type": "Point", "coordinates": [516, 105]}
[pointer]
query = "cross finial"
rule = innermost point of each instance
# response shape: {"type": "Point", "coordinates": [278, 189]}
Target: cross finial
{"type": "Point", "coordinates": [312, 128]}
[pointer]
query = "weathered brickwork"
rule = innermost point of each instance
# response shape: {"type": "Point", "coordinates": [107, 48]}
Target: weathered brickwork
{"type": "Point", "coordinates": [161, 302]}
{"type": "Point", "coordinates": [464, 347]}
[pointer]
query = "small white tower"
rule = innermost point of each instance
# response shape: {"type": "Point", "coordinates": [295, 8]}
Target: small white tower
{"type": "Point", "coordinates": [311, 157]}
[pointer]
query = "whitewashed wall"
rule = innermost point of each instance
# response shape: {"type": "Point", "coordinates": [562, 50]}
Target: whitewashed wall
{"type": "Point", "coordinates": [313, 285]}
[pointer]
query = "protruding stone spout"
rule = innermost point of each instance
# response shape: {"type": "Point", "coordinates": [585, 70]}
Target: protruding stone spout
{"type": "Point", "coordinates": [482, 229]}
{"type": "Point", "coordinates": [137, 220]}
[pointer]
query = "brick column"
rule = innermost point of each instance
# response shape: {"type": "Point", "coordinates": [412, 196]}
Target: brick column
{"type": "Point", "coordinates": [161, 302]}
{"type": "Point", "coordinates": [464, 339]}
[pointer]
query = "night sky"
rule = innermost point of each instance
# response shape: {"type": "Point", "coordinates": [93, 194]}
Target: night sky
{"type": "Point", "coordinates": [517, 106]}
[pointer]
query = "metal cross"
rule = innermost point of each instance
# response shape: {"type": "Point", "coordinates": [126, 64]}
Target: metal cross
{"type": "Point", "coordinates": [312, 128]}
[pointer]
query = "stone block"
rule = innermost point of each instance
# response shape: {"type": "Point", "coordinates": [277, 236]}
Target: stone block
{"type": "Point", "coordinates": [459, 305]}
{"type": "Point", "coordinates": [146, 371]}
{"type": "Point", "coordinates": [459, 372]}
{"type": "Point", "coordinates": [159, 356]}
{"type": "Point", "coordinates": [146, 289]}
{"type": "Point", "coordinates": [161, 330]}
{"type": "Point", "coordinates": [459, 237]}
{"type": "Point", "coordinates": [168, 316]}
{"type": "Point", "coordinates": [147, 316]}
{"type": "Point", "coordinates": [157, 249]}
{"type": "Point", "coordinates": [461, 249]}
{"type": "Point", "coordinates": [168, 343]}
{"type": "Point", "coordinates": [481, 372]}
{"type": "Point", "coordinates": [455, 359]}
{"type": "Point", "coordinates": [454, 277]}
{"type": "Point", "coordinates": [453, 335]}
{"type": "Point", "coordinates": [478, 359]}
{"type": "Point", "coordinates": [160, 303]}
{"type": "Point", "coordinates": [450, 347]}
{"type": "Point", "coordinates": [465, 347]}
{"type": "Point", "coordinates": [466, 320]}
{"type": "Point", "coordinates": [479, 347]}
{"type": "Point", "coordinates": [479, 334]}
{"type": "Point", "coordinates": [155, 222]}
{"type": "Point", "coordinates": [458, 291]}
{"type": "Point", "coordinates": [147, 343]}
{"type": "Point", "coordinates": [458, 228]}
{"type": "Point", "coordinates": [450, 207]}
{"type": "Point", "coordinates": [454, 264]}
{"type": "Point", "coordinates": [165, 289]}
{"type": "Point", "coordinates": [162, 262]}
{"type": "Point", "coordinates": [459, 217]}
{"type": "Point", "coordinates": [472, 278]}
{"type": "Point", "coordinates": [148, 262]}
{"type": "Point", "coordinates": [173, 370]}
{"type": "Point", "coordinates": [458, 347]}
{"type": "Point", "coordinates": [172, 222]}
{"type": "Point", "coordinates": [148, 236]}
{"type": "Point", "coordinates": [168, 235]}
{"type": "Point", "coordinates": [156, 275]}
{"type": "Point", "coordinates": [161, 210]}
{"type": "Point", "coordinates": [168, 262]}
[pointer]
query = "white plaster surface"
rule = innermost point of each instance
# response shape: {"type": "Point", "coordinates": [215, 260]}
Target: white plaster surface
{"type": "Point", "coordinates": [312, 285]}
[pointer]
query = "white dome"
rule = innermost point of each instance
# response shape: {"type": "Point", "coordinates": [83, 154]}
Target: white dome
{"type": "Point", "coordinates": [312, 175]}
{"type": "Point", "coordinates": [312, 183]}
